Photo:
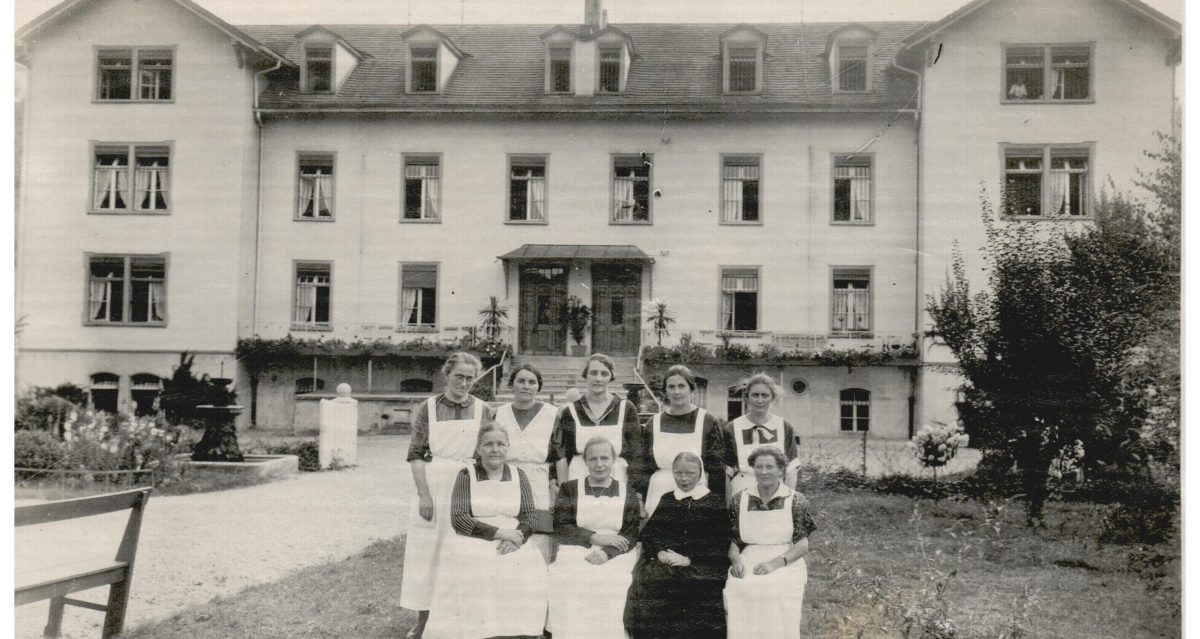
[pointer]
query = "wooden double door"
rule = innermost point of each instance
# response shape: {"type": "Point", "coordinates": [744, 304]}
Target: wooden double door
{"type": "Point", "coordinates": [616, 308]}
{"type": "Point", "coordinates": [543, 298]}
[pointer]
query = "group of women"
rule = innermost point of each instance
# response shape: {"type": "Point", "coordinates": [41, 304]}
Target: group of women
{"type": "Point", "coordinates": [580, 523]}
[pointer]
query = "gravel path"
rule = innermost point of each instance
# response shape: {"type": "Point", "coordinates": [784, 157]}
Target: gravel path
{"type": "Point", "coordinates": [197, 547]}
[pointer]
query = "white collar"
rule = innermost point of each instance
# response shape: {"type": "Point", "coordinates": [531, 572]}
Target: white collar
{"type": "Point", "coordinates": [781, 491]}
{"type": "Point", "coordinates": [698, 491]}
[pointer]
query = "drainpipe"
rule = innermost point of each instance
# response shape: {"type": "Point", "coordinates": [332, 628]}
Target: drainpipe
{"type": "Point", "coordinates": [258, 195]}
{"type": "Point", "coordinates": [918, 258]}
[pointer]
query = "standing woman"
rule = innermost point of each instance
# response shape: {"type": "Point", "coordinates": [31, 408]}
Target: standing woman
{"type": "Point", "coordinates": [683, 427]}
{"type": "Point", "coordinates": [599, 413]}
{"type": "Point", "coordinates": [492, 584]}
{"type": "Point", "coordinates": [770, 524]}
{"type": "Point", "coordinates": [530, 425]}
{"type": "Point", "coordinates": [445, 430]}
{"type": "Point", "coordinates": [758, 428]}
{"type": "Point", "coordinates": [596, 522]}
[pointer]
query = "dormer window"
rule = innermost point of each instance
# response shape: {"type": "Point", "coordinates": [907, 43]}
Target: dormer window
{"type": "Point", "coordinates": [853, 63]}
{"type": "Point", "coordinates": [743, 69]}
{"type": "Point", "coordinates": [610, 70]}
{"type": "Point", "coordinates": [559, 69]}
{"type": "Point", "coordinates": [424, 69]}
{"type": "Point", "coordinates": [742, 60]}
{"type": "Point", "coordinates": [318, 69]}
{"type": "Point", "coordinates": [851, 52]}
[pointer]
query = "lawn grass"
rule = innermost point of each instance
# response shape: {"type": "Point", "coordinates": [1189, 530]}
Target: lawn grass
{"type": "Point", "coordinates": [876, 562]}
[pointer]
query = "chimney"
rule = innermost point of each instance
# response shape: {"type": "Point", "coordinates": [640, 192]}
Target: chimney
{"type": "Point", "coordinates": [592, 16]}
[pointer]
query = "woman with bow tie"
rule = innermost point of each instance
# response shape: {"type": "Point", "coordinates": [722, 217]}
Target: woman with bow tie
{"type": "Point", "coordinates": [755, 429]}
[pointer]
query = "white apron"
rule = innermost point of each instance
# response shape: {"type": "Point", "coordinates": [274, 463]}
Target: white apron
{"type": "Point", "coordinates": [577, 469]}
{"type": "Point", "coordinates": [588, 601]}
{"type": "Point", "coordinates": [451, 445]}
{"type": "Point", "coordinates": [766, 606]}
{"type": "Point", "coordinates": [527, 450]}
{"type": "Point", "coordinates": [666, 447]}
{"type": "Point", "coordinates": [744, 473]}
{"type": "Point", "coordinates": [481, 593]}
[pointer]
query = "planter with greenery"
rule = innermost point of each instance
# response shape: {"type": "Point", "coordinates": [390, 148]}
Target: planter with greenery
{"type": "Point", "coordinates": [576, 318]}
{"type": "Point", "coordinates": [659, 317]}
{"type": "Point", "coordinates": [491, 318]}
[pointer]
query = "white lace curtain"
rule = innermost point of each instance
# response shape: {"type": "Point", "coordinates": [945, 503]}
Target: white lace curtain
{"type": "Point", "coordinates": [731, 285]}
{"type": "Point", "coordinates": [150, 182]}
{"type": "Point", "coordinates": [1061, 187]}
{"type": "Point", "coordinates": [306, 298]}
{"type": "Point", "coordinates": [623, 200]}
{"type": "Point", "coordinates": [859, 178]}
{"type": "Point", "coordinates": [851, 307]}
{"type": "Point", "coordinates": [111, 182]}
{"type": "Point", "coordinates": [428, 176]}
{"type": "Point", "coordinates": [158, 299]}
{"type": "Point", "coordinates": [734, 189]}
{"type": "Point", "coordinates": [99, 294]}
{"type": "Point", "coordinates": [410, 299]}
{"type": "Point", "coordinates": [315, 191]}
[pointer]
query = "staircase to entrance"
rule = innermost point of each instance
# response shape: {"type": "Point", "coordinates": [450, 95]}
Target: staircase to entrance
{"type": "Point", "coordinates": [561, 373]}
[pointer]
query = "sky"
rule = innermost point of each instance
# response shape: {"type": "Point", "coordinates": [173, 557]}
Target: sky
{"type": "Point", "coordinates": [564, 11]}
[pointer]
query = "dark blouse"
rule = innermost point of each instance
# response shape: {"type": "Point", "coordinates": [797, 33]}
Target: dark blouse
{"type": "Point", "coordinates": [802, 521]}
{"type": "Point", "coordinates": [567, 532]}
{"type": "Point", "coordinates": [447, 410]}
{"type": "Point", "coordinates": [763, 435]}
{"type": "Point", "coordinates": [694, 528]}
{"type": "Point", "coordinates": [460, 504]}
{"type": "Point", "coordinates": [712, 452]}
{"type": "Point", "coordinates": [633, 447]}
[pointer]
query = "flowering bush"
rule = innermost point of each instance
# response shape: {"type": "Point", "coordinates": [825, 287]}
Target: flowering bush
{"type": "Point", "coordinates": [936, 444]}
{"type": "Point", "coordinates": [36, 449]}
{"type": "Point", "coordinates": [95, 440]}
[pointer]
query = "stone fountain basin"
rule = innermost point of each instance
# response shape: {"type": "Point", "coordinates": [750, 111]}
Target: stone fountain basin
{"type": "Point", "coordinates": [270, 466]}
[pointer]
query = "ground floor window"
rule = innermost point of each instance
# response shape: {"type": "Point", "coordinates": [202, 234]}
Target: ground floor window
{"type": "Point", "coordinates": [855, 410]}
{"type": "Point", "coordinates": [144, 390]}
{"type": "Point", "coordinates": [309, 385]}
{"type": "Point", "coordinates": [103, 392]}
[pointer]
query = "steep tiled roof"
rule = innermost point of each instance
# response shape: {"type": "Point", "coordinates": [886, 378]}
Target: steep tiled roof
{"type": "Point", "coordinates": [677, 68]}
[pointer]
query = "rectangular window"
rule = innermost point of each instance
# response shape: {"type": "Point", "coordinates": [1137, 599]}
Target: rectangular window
{"type": "Point", "coordinates": [852, 188]}
{"type": "Point", "coordinates": [743, 69]}
{"type": "Point", "coordinates": [115, 79]}
{"type": "Point", "coordinates": [739, 299]}
{"type": "Point", "coordinates": [855, 410]}
{"type": "Point", "coordinates": [315, 197]}
{"type": "Point", "coordinates": [318, 69]}
{"type": "Point", "coordinates": [527, 190]}
{"type": "Point", "coordinates": [424, 70]}
{"type": "Point", "coordinates": [313, 293]}
{"type": "Point", "coordinates": [422, 188]}
{"type": "Point", "coordinates": [610, 70]}
{"type": "Point", "coordinates": [631, 188]}
{"type": "Point", "coordinates": [418, 296]}
{"type": "Point", "coordinates": [560, 70]}
{"type": "Point", "coordinates": [740, 180]}
{"type": "Point", "coordinates": [127, 290]}
{"type": "Point", "coordinates": [1049, 73]}
{"type": "Point", "coordinates": [851, 302]}
{"type": "Point", "coordinates": [130, 178]}
{"type": "Point", "coordinates": [852, 67]}
{"type": "Point", "coordinates": [1030, 190]}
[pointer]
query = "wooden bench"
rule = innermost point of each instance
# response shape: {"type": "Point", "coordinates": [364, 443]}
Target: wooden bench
{"type": "Point", "coordinates": [56, 583]}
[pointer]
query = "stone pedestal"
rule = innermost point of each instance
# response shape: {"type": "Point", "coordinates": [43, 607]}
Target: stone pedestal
{"type": "Point", "coordinates": [219, 442]}
{"type": "Point", "coordinates": [339, 429]}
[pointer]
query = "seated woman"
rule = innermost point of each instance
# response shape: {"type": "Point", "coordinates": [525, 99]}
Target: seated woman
{"type": "Point", "coordinates": [596, 525]}
{"type": "Point", "coordinates": [493, 583]}
{"type": "Point", "coordinates": [770, 525]}
{"type": "Point", "coordinates": [676, 590]}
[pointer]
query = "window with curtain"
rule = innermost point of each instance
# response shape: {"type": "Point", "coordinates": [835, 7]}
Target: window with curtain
{"type": "Point", "coordinates": [854, 410]}
{"type": "Point", "coordinates": [851, 302]}
{"type": "Point", "coordinates": [743, 68]}
{"type": "Point", "coordinates": [418, 296]}
{"type": "Point", "coordinates": [127, 290]}
{"type": "Point", "coordinates": [131, 178]}
{"type": "Point", "coordinates": [315, 199]}
{"type": "Point", "coordinates": [853, 65]}
{"type": "Point", "coordinates": [739, 299]}
{"type": "Point", "coordinates": [313, 293]}
{"type": "Point", "coordinates": [134, 74]}
{"type": "Point", "coordinates": [610, 70]}
{"type": "Point", "coordinates": [1047, 181]}
{"type": "Point", "coordinates": [423, 65]}
{"type": "Point", "coordinates": [1048, 73]}
{"type": "Point", "coordinates": [852, 188]}
{"type": "Point", "coordinates": [740, 190]}
{"type": "Point", "coordinates": [631, 188]}
{"type": "Point", "coordinates": [527, 190]}
{"type": "Point", "coordinates": [422, 188]}
{"type": "Point", "coordinates": [144, 389]}
{"type": "Point", "coordinates": [318, 68]}
{"type": "Point", "coordinates": [103, 392]}
{"type": "Point", "coordinates": [560, 69]}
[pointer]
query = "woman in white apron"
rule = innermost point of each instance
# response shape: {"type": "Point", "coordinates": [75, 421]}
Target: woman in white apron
{"type": "Point", "coordinates": [596, 525]}
{"type": "Point", "coordinates": [530, 425]}
{"type": "Point", "coordinates": [445, 429]}
{"type": "Point", "coordinates": [756, 428]}
{"type": "Point", "coordinates": [764, 592]}
{"type": "Point", "coordinates": [683, 427]}
{"type": "Point", "coordinates": [492, 583]}
{"type": "Point", "coordinates": [599, 413]}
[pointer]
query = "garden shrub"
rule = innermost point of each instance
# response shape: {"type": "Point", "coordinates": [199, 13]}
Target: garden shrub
{"type": "Point", "coordinates": [1145, 513]}
{"type": "Point", "coordinates": [41, 409]}
{"type": "Point", "coordinates": [307, 451]}
{"type": "Point", "coordinates": [36, 449]}
{"type": "Point", "coordinates": [94, 440]}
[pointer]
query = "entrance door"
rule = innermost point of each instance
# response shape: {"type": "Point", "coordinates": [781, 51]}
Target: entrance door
{"type": "Point", "coordinates": [617, 307]}
{"type": "Point", "coordinates": [543, 294]}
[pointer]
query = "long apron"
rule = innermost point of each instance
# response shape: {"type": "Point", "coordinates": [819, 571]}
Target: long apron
{"type": "Point", "coordinates": [577, 469]}
{"type": "Point", "coordinates": [451, 445]}
{"type": "Point", "coordinates": [588, 601]}
{"type": "Point", "coordinates": [527, 450]}
{"type": "Point", "coordinates": [765, 606]}
{"type": "Point", "coordinates": [744, 477]}
{"type": "Point", "coordinates": [666, 447]}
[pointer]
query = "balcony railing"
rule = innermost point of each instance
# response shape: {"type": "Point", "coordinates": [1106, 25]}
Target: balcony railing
{"type": "Point", "coordinates": [781, 340]}
{"type": "Point", "coordinates": [394, 333]}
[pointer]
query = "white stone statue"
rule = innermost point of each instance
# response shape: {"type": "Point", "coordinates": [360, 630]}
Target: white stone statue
{"type": "Point", "coordinates": [339, 429]}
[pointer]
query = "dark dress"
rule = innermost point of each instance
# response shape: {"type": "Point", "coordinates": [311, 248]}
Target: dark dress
{"type": "Point", "coordinates": [666, 601]}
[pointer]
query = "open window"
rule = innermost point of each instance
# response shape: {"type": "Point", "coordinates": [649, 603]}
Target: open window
{"type": "Point", "coordinates": [741, 186]}
{"type": "Point", "coordinates": [313, 296]}
{"type": "Point", "coordinates": [1047, 73]}
{"type": "Point", "coordinates": [422, 188]}
{"type": "Point", "coordinates": [852, 189]}
{"type": "Point", "coordinates": [1047, 181]}
{"type": "Point", "coordinates": [739, 298]}
{"type": "Point", "coordinates": [135, 74]}
{"type": "Point", "coordinates": [631, 189]}
{"type": "Point", "coordinates": [103, 392]}
{"type": "Point", "coordinates": [418, 297]}
{"type": "Point", "coordinates": [127, 290]}
{"type": "Point", "coordinates": [527, 189]}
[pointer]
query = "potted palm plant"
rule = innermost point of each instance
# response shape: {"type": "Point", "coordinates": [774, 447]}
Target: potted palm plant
{"type": "Point", "coordinates": [491, 318]}
{"type": "Point", "coordinates": [576, 318]}
{"type": "Point", "coordinates": [659, 316]}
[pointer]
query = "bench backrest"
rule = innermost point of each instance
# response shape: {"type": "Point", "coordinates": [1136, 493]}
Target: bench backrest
{"type": "Point", "coordinates": [133, 500]}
